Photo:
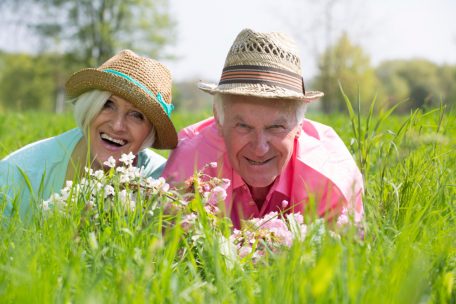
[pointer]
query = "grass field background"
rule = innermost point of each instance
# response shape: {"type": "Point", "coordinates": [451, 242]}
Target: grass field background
{"type": "Point", "coordinates": [408, 254]}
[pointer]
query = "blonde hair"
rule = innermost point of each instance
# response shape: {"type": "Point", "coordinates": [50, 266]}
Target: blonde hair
{"type": "Point", "coordinates": [297, 106]}
{"type": "Point", "coordinates": [89, 104]}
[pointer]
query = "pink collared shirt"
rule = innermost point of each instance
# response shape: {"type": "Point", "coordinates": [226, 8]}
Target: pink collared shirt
{"type": "Point", "coordinates": [320, 176]}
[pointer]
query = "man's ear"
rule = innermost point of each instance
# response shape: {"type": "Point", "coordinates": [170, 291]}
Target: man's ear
{"type": "Point", "coordinates": [299, 130]}
{"type": "Point", "coordinates": [219, 126]}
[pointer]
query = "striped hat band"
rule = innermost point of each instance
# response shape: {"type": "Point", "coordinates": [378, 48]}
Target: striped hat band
{"type": "Point", "coordinates": [254, 74]}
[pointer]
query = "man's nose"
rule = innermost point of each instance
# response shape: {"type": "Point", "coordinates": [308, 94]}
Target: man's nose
{"type": "Point", "coordinates": [260, 144]}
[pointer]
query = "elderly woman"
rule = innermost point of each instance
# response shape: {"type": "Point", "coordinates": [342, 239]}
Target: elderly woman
{"type": "Point", "coordinates": [275, 158]}
{"type": "Point", "coordinates": [121, 107]}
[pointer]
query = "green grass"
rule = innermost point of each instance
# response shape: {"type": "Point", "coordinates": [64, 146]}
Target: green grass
{"type": "Point", "coordinates": [408, 254]}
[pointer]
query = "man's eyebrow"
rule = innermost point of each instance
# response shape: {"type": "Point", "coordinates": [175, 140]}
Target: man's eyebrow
{"type": "Point", "coordinates": [279, 121]}
{"type": "Point", "coordinates": [238, 118]}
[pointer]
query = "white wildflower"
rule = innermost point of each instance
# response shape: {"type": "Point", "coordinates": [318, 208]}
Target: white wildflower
{"type": "Point", "coordinates": [99, 174]}
{"type": "Point", "coordinates": [45, 205]}
{"type": "Point", "coordinates": [127, 159]}
{"type": "Point", "coordinates": [108, 190]}
{"type": "Point", "coordinates": [93, 243]}
{"type": "Point", "coordinates": [111, 162]}
{"type": "Point", "coordinates": [124, 178]}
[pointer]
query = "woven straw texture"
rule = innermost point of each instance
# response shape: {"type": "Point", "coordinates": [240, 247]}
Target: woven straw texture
{"type": "Point", "coordinates": [275, 50]}
{"type": "Point", "coordinates": [149, 73]}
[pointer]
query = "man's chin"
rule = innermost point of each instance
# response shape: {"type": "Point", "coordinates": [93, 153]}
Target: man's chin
{"type": "Point", "coordinates": [259, 183]}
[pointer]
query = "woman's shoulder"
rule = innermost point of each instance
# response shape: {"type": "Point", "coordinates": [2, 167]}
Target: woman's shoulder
{"type": "Point", "coordinates": [45, 148]}
{"type": "Point", "coordinates": [152, 162]}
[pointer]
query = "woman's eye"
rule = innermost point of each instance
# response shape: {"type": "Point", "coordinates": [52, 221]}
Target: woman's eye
{"type": "Point", "coordinates": [137, 115]}
{"type": "Point", "coordinates": [108, 105]}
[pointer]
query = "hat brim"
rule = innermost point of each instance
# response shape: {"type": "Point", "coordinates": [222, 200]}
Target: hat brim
{"type": "Point", "coordinates": [264, 91]}
{"type": "Point", "coordinates": [90, 79]}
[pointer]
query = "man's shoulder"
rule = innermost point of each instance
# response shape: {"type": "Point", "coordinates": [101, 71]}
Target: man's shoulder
{"type": "Point", "coordinates": [204, 126]}
{"type": "Point", "coordinates": [201, 135]}
{"type": "Point", "coordinates": [317, 130]}
{"type": "Point", "coordinates": [321, 149]}
{"type": "Point", "coordinates": [198, 145]}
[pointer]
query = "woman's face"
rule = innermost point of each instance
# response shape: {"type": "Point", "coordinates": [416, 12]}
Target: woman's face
{"type": "Point", "coordinates": [119, 128]}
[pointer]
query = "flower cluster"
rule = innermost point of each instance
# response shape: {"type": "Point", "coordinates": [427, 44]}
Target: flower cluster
{"type": "Point", "coordinates": [197, 206]}
{"type": "Point", "coordinates": [270, 233]}
{"type": "Point", "coordinates": [116, 187]}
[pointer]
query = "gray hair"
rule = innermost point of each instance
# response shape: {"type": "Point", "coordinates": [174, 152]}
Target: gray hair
{"type": "Point", "coordinates": [89, 104]}
{"type": "Point", "coordinates": [297, 106]}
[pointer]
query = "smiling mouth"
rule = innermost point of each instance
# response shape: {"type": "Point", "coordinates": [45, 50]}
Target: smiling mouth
{"type": "Point", "coordinates": [113, 141]}
{"type": "Point", "coordinates": [258, 163]}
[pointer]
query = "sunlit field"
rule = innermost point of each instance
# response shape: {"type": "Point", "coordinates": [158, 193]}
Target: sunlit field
{"type": "Point", "coordinates": [407, 255]}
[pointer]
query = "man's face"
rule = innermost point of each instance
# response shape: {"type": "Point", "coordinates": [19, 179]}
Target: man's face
{"type": "Point", "coordinates": [259, 136]}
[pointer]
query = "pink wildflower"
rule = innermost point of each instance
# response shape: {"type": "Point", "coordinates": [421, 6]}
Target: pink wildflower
{"type": "Point", "coordinates": [216, 195]}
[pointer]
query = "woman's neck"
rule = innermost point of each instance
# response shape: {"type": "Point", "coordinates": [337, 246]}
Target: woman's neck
{"type": "Point", "coordinates": [78, 160]}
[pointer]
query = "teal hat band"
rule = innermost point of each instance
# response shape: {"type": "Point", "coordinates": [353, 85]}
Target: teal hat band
{"type": "Point", "coordinates": [168, 108]}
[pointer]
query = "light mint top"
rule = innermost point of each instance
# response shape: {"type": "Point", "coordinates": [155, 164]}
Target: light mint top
{"type": "Point", "coordinates": [45, 163]}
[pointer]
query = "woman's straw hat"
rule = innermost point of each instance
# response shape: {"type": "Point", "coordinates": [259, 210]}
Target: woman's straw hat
{"type": "Point", "coordinates": [263, 65]}
{"type": "Point", "coordinates": [144, 82]}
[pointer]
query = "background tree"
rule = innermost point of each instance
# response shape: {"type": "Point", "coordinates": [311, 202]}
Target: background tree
{"type": "Point", "coordinates": [26, 82]}
{"type": "Point", "coordinates": [93, 30]}
{"type": "Point", "coordinates": [424, 83]}
{"type": "Point", "coordinates": [81, 33]}
{"type": "Point", "coordinates": [351, 67]}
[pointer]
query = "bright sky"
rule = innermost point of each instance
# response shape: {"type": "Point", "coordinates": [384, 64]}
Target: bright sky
{"type": "Point", "coordinates": [386, 29]}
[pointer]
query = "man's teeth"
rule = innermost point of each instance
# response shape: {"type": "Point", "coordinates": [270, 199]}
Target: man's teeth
{"type": "Point", "coordinates": [117, 141]}
{"type": "Point", "coordinates": [256, 162]}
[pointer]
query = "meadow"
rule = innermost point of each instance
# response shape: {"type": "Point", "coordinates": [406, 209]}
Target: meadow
{"type": "Point", "coordinates": [407, 255]}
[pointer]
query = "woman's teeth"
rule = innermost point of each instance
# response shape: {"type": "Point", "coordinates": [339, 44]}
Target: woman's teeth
{"type": "Point", "coordinates": [120, 142]}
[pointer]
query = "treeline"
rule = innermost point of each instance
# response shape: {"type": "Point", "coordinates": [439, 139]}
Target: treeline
{"type": "Point", "coordinates": [415, 83]}
{"type": "Point", "coordinates": [36, 82]}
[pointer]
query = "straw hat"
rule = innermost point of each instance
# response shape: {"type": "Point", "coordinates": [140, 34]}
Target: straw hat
{"type": "Point", "coordinates": [144, 82]}
{"type": "Point", "coordinates": [263, 65]}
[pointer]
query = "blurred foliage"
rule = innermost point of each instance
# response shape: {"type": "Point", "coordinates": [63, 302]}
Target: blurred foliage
{"type": "Point", "coordinates": [35, 82]}
{"type": "Point", "coordinates": [188, 98]}
{"type": "Point", "coordinates": [418, 82]}
{"type": "Point", "coordinates": [348, 64]}
{"type": "Point", "coordinates": [90, 32]}
{"type": "Point", "coordinates": [74, 35]}
{"type": "Point", "coordinates": [424, 83]}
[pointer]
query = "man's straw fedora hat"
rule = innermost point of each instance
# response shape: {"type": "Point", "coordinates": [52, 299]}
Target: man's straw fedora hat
{"type": "Point", "coordinates": [263, 65]}
{"type": "Point", "coordinates": [144, 82]}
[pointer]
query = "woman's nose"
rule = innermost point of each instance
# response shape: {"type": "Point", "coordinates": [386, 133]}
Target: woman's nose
{"type": "Point", "coordinates": [118, 123]}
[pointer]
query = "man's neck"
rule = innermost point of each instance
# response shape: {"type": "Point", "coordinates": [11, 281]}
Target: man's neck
{"type": "Point", "coordinates": [259, 195]}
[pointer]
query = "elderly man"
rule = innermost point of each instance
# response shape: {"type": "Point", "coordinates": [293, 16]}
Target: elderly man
{"type": "Point", "coordinates": [275, 159]}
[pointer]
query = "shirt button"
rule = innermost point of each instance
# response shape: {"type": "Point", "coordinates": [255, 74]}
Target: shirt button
{"type": "Point", "coordinates": [251, 203]}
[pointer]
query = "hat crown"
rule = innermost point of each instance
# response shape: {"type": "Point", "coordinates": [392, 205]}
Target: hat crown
{"type": "Point", "coordinates": [149, 72]}
{"type": "Point", "coordinates": [272, 49]}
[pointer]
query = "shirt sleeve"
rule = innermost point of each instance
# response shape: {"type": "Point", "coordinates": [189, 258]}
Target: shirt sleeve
{"type": "Point", "coordinates": [13, 189]}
